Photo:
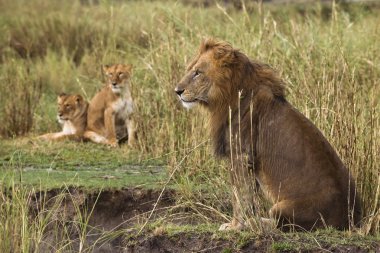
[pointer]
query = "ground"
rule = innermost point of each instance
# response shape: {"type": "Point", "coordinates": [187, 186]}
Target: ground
{"type": "Point", "coordinates": [123, 203]}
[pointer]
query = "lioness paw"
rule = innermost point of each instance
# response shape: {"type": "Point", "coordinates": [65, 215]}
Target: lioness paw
{"type": "Point", "coordinates": [45, 137]}
{"type": "Point", "coordinates": [42, 137]}
{"type": "Point", "coordinates": [112, 144]}
{"type": "Point", "coordinates": [132, 142]}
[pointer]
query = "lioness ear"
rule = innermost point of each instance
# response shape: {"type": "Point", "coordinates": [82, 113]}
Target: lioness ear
{"type": "Point", "coordinates": [129, 68]}
{"type": "Point", "coordinates": [78, 99]}
{"type": "Point", "coordinates": [61, 96]}
{"type": "Point", "coordinates": [105, 68]}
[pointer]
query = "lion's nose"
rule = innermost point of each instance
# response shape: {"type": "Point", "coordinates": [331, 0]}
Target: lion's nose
{"type": "Point", "coordinates": [179, 91]}
{"type": "Point", "coordinates": [114, 83]}
{"type": "Point", "coordinates": [60, 114]}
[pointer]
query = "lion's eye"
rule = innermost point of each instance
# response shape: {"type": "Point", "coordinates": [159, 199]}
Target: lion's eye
{"type": "Point", "coordinates": [196, 74]}
{"type": "Point", "coordinates": [109, 74]}
{"type": "Point", "coordinates": [120, 73]}
{"type": "Point", "coordinates": [67, 106]}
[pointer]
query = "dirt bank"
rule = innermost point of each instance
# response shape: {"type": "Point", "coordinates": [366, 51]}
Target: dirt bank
{"type": "Point", "coordinates": [206, 242]}
{"type": "Point", "coordinates": [106, 222]}
{"type": "Point", "coordinates": [95, 220]}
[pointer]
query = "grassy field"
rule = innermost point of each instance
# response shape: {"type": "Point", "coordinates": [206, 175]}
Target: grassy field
{"type": "Point", "coordinates": [53, 165]}
{"type": "Point", "coordinates": [328, 54]}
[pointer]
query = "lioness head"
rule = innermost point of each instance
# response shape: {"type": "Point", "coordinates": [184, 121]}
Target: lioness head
{"type": "Point", "coordinates": [69, 106]}
{"type": "Point", "coordinates": [207, 80]}
{"type": "Point", "coordinates": [117, 76]}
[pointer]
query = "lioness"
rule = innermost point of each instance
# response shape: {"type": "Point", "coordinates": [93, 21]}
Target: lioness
{"type": "Point", "coordinates": [72, 115]}
{"type": "Point", "coordinates": [109, 117]}
{"type": "Point", "coordinates": [251, 121]}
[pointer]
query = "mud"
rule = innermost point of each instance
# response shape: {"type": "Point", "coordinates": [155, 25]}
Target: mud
{"type": "Point", "coordinates": [85, 219]}
{"type": "Point", "coordinates": [105, 222]}
{"type": "Point", "coordinates": [193, 242]}
{"type": "Point", "coordinates": [205, 242]}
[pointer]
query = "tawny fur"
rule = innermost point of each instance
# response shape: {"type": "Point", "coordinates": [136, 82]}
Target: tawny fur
{"type": "Point", "coordinates": [292, 161]}
{"type": "Point", "coordinates": [72, 115]}
{"type": "Point", "coordinates": [110, 113]}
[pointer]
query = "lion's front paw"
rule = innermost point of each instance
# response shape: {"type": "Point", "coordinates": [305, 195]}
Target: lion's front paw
{"type": "Point", "coordinates": [268, 224]}
{"type": "Point", "coordinates": [225, 226]}
{"type": "Point", "coordinates": [234, 225]}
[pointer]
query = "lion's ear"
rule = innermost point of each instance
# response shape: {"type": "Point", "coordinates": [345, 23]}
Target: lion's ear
{"type": "Point", "coordinates": [223, 49]}
{"type": "Point", "coordinates": [226, 56]}
{"type": "Point", "coordinates": [207, 44]}
{"type": "Point", "coordinates": [220, 53]}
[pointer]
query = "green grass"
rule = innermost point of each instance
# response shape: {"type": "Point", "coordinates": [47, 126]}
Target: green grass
{"type": "Point", "coordinates": [283, 247]}
{"type": "Point", "coordinates": [57, 165]}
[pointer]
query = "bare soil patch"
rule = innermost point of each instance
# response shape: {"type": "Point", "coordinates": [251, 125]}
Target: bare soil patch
{"type": "Point", "coordinates": [207, 242]}
{"type": "Point", "coordinates": [102, 213]}
{"type": "Point", "coordinates": [111, 216]}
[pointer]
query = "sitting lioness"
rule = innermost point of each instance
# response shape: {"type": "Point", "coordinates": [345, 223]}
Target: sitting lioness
{"type": "Point", "coordinates": [72, 115]}
{"type": "Point", "coordinates": [109, 117]}
{"type": "Point", "coordinates": [269, 141]}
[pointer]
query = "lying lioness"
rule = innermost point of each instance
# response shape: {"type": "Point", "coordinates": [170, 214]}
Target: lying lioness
{"type": "Point", "coordinates": [252, 122]}
{"type": "Point", "coordinates": [72, 115]}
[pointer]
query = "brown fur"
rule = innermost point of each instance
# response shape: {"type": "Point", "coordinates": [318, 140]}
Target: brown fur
{"type": "Point", "coordinates": [72, 114]}
{"type": "Point", "coordinates": [109, 117]}
{"type": "Point", "coordinates": [295, 165]}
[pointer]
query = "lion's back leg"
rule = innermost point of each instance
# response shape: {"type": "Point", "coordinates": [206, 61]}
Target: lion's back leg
{"type": "Point", "coordinates": [59, 136]}
{"type": "Point", "coordinates": [297, 215]}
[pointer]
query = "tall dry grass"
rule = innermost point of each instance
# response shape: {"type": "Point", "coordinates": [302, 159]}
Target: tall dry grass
{"type": "Point", "coordinates": [33, 221]}
{"type": "Point", "coordinates": [328, 55]}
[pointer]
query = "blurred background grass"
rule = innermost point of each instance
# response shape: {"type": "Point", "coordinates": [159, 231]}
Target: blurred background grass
{"type": "Point", "coordinates": [328, 53]}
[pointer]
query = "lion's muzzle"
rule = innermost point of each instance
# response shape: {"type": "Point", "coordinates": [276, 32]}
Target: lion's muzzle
{"type": "Point", "coordinates": [179, 91]}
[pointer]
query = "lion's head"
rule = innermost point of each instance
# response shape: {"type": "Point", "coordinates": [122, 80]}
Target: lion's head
{"type": "Point", "coordinates": [205, 80]}
{"type": "Point", "coordinates": [70, 107]}
{"type": "Point", "coordinates": [222, 78]}
{"type": "Point", "coordinates": [219, 72]}
{"type": "Point", "coordinates": [118, 76]}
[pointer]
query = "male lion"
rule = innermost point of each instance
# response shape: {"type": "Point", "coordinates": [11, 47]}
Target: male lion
{"type": "Point", "coordinates": [109, 117]}
{"type": "Point", "coordinates": [252, 122]}
{"type": "Point", "coordinates": [72, 115]}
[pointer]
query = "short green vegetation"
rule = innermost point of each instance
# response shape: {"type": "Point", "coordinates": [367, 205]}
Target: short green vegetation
{"type": "Point", "coordinates": [56, 165]}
